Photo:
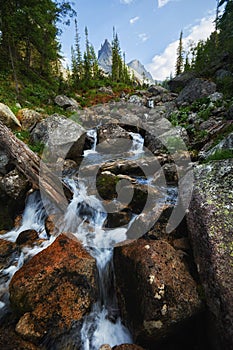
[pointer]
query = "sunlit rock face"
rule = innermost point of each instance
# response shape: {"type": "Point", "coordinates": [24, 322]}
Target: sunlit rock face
{"type": "Point", "coordinates": [55, 288]}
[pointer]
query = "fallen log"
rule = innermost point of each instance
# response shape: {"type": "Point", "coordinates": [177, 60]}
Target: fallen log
{"type": "Point", "coordinates": [33, 168]}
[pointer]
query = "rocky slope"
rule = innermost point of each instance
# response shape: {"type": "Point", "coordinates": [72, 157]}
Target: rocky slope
{"type": "Point", "coordinates": [174, 281]}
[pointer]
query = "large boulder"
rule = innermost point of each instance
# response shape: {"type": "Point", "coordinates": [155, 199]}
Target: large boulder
{"type": "Point", "coordinates": [156, 292]}
{"type": "Point", "coordinates": [67, 102]}
{"type": "Point", "coordinates": [180, 81]}
{"type": "Point", "coordinates": [28, 117]}
{"type": "Point", "coordinates": [210, 224]}
{"type": "Point", "coordinates": [64, 138]}
{"type": "Point", "coordinates": [112, 138]}
{"type": "Point", "coordinates": [13, 190]}
{"type": "Point", "coordinates": [56, 288]}
{"type": "Point", "coordinates": [157, 90]}
{"type": "Point", "coordinates": [7, 248]}
{"type": "Point", "coordinates": [196, 88]}
{"type": "Point", "coordinates": [7, 117]}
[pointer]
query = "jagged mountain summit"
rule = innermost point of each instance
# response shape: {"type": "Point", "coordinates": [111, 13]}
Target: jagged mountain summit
{"type": "Point", "coordinates": [140, 72]}
{"type": "Point", "coordinates": [105, 57]}
{"type": "Point", "coordinates": [136, 68]}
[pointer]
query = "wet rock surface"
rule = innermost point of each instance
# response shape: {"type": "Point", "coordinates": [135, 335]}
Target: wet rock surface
{"type": "Point", "coordinates": [54, 289]}
{"type": "Point", "coordinates": [157, 293]}
{"type": "Point", "coordinates": [156, 284]}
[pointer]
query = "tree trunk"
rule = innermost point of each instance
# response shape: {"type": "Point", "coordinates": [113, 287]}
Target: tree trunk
{"type": "Point", "coordinates": [35, 170]}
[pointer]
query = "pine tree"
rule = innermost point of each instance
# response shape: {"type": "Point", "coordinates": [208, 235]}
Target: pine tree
{"type": "Point", "coordinates": [117, 65]}
{"type": "Point", "coordinates": [180, 56]}
{"type": "Point", "coordinates": [87, 58]}
{"type": "Point", "coordinates": [94, 63]}
{"type": "Point", "coordinates": [29, 33]}
{"type": "Point", "coordinates": [76, 59]}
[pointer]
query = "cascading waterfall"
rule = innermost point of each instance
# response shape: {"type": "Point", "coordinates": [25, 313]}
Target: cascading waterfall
{"type": "Point", "coordinates": [138, 143]}
{"type": "Point", "coordinates": [33, 219]}
{"type": "Point", "coordinates": [85, 217]}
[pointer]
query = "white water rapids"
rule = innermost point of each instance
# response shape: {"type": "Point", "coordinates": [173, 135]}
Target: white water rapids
{"type": "Point", "coordinates": [85, 217]}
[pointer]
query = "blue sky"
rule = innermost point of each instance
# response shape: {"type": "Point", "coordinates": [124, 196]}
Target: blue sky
{"type": "Point", "coordinates": [148, 29]}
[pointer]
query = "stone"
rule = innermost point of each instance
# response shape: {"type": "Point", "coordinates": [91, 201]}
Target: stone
{"type": "Point", "coordinates": [180, 81]}
{"type": "Point", "coordinates": [157, 294]}
{"type": "Point", "coordinates": [5, 164]}
{"type": "Point", "coordinates": [7, 248]}
{"type": "Point", "coordinates": [137, 100]}
{"type": "Point", "coordinates": [196, 89]}
{"type": "Point", "coordinates": [157, 90]}
{"type": "Point", "coordinates": [18, 221]}
{"type": "Point", "coordinates": [118, 219]}
{"type": "Point", "coordinates": [64, 138]}
{"type": "Point", "coordinates": [28, 118]}
{"type": "Point", "coordinates": [112, 138]}
{"type": "Point", "coordinates": [7, 117]}
{"type": "Point", "coordinates": [225, 144]}
{"type": "Point", "coordinates": [142, 167]}
{"type": "Point", "coordinates": [127, 347]}
{"type": "Point", "coordinates": [9, 339]}
{"type": "Point", "coordinates": [54, 289]}
{"type": "Point", "coordinates": [14, 184]}
{"type": "Point", "coordinates": [67, 102]}
{"type": "Point", "coordinates": [27, 237]}
{"type": "Point", "coordinates": [50, 227]}
{"type": "Point", "coordinates": [169, 171]}
{"type": "Point", "coordinates": [106, 90]}
{"type": "Point", "coordinates": [105, 347]}
{"type": "Point", "coordinates": [210, 225]}
{"type": "Point", "coordinates": [216, 96]}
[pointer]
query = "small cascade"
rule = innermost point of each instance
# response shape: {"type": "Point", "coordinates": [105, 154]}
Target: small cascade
{"type": "Point", "coordinates": [138, 143]}
{"type": "Point", "coordinates": [85, 218]}
{"type": "Point", "coordinates": [33, 219]}
{"type": "Point", "coordinates": [92, 134]}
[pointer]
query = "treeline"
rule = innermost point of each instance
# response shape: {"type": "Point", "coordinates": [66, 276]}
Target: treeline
{"type": "Point", "coordinates": [208, 57]}
{"type": "Point", "coordinates": [29, 34]}
{"type": "Point", "coordinates": [85, 71]}
{"type": "Point", "coordinates": [30, 51]}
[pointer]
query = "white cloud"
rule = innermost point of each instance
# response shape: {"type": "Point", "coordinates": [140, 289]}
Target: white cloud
{"type": "Point", "coordinates": [133, 20]}
{"type": "Point", "coordinates": [126, 1]}
{"type": "Point", "coordinates": [162, 3]}
{"type": "Point", "coordinates": [143, 37]}
{"type": "Point", "coordinates": [163, 65]}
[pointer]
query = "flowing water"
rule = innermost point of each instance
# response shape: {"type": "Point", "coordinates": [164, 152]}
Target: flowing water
{"type": "Point", "coordinates": [85, 218]}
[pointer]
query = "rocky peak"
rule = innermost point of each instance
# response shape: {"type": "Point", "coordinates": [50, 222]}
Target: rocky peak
{"type": "Point", "coordinates": [105, 56]}
{"type": "Point", "coordinates": [140, 72]}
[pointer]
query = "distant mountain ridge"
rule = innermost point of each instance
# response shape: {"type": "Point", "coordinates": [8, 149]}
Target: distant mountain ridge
{"type": "Point", "coordinates": [136, 68]}
{"type": "Point", "coordinates": [140, 71]}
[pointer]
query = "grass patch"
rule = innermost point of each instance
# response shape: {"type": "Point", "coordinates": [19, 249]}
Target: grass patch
{"type": "Point", "coordinates": [24, 135]}
{"type": "Point", "coordinates": [220, 155]}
